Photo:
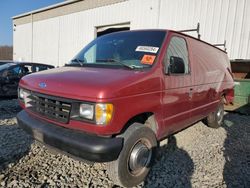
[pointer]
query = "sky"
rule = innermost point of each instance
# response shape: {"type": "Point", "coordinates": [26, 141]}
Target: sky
{"type": "Point", "coordinates": [10, 8]}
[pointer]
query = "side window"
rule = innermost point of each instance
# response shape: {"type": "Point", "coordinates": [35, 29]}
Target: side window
{"type": "Point", "coordinates": [41, 68]}
{"type": "Point", "coordinates": [26, 69]}
{"type": "Point", "coordinates": [15, 71]}
{"type": "Point", "coordinates": [176, 59]}
{"type": "Point", "coordinates": [34, 68]}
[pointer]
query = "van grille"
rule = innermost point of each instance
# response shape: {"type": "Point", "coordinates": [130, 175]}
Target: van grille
{"type": "Point", "coordinates": [50, 108]}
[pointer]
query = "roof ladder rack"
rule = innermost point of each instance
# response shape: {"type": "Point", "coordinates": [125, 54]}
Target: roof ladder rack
{"type": "Point", "coordinates": [224, 45]}
{"type": "Point", "coordinates": [197, 29]}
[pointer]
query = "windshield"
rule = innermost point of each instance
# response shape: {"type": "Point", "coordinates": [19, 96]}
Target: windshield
{"type": "Point", "coordinates": [136, 49]}
{"type": "Point", "coordinates": [5, 66]}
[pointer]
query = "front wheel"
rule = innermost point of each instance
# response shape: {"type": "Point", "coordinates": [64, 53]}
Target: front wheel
{"type": "Point", "coordinates": [134, 161]}
{"type": "Point", "coordinates": [215, 119]}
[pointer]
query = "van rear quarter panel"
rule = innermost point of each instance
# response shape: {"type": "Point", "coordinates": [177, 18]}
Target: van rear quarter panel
{"type": "Point", "coordinates": [211, 78]}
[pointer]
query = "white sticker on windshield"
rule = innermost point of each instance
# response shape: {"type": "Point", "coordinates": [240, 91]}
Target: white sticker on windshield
{"type": "Point", "coordinates": [150, 49]}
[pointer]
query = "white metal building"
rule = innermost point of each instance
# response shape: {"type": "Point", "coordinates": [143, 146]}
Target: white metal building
{"type": "Point", "coordinates": [56, 33]}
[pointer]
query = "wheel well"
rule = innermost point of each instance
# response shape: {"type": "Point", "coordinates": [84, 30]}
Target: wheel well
{"type": "Point", "coordinates": [224, 98]}
{"type": "Point", "coordinates": [146, 118]}
{"type": "Point", "coordinates": [228, 96]}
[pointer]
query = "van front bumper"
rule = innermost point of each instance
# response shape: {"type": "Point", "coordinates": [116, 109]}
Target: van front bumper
{"type": "Point", "coordinates": [78, 144]}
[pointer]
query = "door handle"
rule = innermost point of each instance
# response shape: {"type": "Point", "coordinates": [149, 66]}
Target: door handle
{"type": "Point", "coordinates": [190, 94]}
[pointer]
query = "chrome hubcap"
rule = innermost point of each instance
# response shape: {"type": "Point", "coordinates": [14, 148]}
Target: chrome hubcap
{"type": "Point", "coordinates": [220, 114]}
{"type": "Point", "coordinates": [139, 157]}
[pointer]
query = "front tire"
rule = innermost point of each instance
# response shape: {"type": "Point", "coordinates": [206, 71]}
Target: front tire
{"type": "Point", "coordinates": [134, 161]}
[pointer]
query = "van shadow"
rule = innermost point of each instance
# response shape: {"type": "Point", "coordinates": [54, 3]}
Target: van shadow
{"type": "Point", "coordinates": [7, 98]}
{"type": "Point", "coordinates": [173, 167]}
{"type": "Point", "coordinates": [14, 143]}
{"type": "Point", "coordinates": [236, 171]}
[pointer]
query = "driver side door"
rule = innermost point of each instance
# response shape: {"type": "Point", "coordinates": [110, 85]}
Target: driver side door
{"type": "Point", "coordinates": [177, 95]}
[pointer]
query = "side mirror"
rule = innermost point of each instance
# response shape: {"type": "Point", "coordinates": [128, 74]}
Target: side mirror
{"type": "Point", "coordinates": [176, 65]}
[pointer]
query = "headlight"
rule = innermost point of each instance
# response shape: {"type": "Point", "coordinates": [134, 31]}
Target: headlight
{"type": "Point", "coordinates": [21, 94]}
{"type": "Point", "coordinates": [87, 111]}
{"type": "Point", "coordinates": [103, 113]}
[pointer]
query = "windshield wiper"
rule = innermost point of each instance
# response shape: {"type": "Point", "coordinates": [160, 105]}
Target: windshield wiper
{"type": "Point", "coordinates": [80, 62]}
{"type": "Point", "coordinates": [119, 62]}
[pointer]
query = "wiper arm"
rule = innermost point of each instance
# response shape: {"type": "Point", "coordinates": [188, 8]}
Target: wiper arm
{"type": "Point", "coordinates": [116, 61]}
{"type": "Point", "coordinates": [80, 62]}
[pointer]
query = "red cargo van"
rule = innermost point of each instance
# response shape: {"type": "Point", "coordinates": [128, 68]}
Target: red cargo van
{"type": "Point", "coordinates": [122, 94]}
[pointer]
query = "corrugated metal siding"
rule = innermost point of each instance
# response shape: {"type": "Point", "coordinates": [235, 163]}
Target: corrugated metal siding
{"type": "Point", "coordinates": [219, 20]}
{"type": "Point", "coordinates": [244, 48]}
{"type": "Point", "coordinates": [57, 40]}
{"type": "Point", "coordinates": [22, 42]}
{"type": "Point", "coordinates": [78, 29]}
{"type": "Point", "coordinates": [45, 41]}
{"type": "Point", "coordinates": [143, 14]}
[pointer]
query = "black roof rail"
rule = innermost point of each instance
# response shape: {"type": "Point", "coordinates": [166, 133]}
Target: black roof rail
{"type": "Point", "coordinates": [197, 29]}
{"type": "Point", "coordinates": [224, 45]}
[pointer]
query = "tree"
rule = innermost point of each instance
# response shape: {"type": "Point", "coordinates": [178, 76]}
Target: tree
{"type": "Point", "coordinates": [6, 52]}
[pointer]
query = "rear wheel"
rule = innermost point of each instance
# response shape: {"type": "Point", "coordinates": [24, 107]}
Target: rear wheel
{"type": "Point", "coordinates": [215, 119]}
{"type": "Point", "coordinates": [134, 161]}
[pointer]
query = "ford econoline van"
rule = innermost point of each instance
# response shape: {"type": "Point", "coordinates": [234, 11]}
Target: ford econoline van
{"type": "Point", "coordinates": [122, 94]}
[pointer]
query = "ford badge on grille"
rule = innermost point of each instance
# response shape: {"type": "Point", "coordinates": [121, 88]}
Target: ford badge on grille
{"type": "Point", "coordinates": [42, 85]}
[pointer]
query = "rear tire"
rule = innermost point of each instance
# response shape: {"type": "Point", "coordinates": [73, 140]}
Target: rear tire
{"type": "Point", "coordinates": [134, 161]}
{"type": "Point", "coordinates": [215, 119]}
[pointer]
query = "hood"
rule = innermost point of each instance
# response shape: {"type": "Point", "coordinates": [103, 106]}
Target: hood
{"type": "Point", "coordinates": [85, 83]}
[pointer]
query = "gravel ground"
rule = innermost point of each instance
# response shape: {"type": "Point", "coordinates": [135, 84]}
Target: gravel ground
{"type": "Point", "coordinates": [196, 157]}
